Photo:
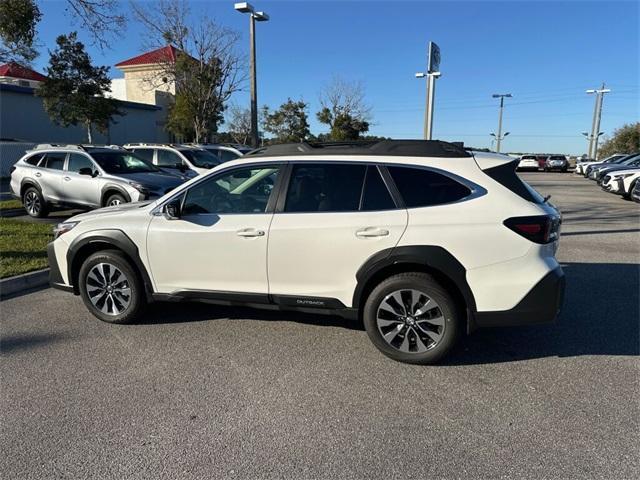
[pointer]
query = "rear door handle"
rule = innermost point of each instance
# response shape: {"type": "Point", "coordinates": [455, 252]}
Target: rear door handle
{"type": "Point", "coordinates": [372, 232]}
{"type": "Point", "coordinates": [67, 179]}
{"type": "Point", "coordinates": [250, 232]}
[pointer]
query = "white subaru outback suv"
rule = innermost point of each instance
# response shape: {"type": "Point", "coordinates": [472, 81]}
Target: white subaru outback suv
{"type": "Point", "coordinates": [422, 240]}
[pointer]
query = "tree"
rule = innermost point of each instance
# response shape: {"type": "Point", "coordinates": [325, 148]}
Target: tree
{"type": "Point", "coordinates": [344, 109]}
{"type": "Point", "coordinates": [239, 124]}
{"type": "Point", "coordinates": [73, 92]}
{"type": "Point", "coordinates": [625, 139]}
{"type": "Point", "coordinates": [289, 123]}
{"type": "Point", "coordinates": [179, 120]}
{"type": "Point", "coordinates": [18, 20]}
{"type": "Point", "coordinates": [207, 70]}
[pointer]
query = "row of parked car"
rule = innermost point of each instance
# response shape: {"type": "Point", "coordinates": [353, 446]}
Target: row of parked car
{"type": "Point", "coordinates": [547, 163]}
{"type": "Point", "coordinates": [618, 174]}
{"type": "Point", "coordinates": [92, 176]}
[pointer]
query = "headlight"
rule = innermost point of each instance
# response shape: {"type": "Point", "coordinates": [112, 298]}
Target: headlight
{"type": "Point", "coordinates": [140, 187]}
{"type": "Point", "coordinates": [63, 228]}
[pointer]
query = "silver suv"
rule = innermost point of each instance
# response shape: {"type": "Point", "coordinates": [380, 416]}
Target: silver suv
{"type": "Point", "coordinates": [186, 159]}
{"type": "Point", "coordinates": [86, 177]}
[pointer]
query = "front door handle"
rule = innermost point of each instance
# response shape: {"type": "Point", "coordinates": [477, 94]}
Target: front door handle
{"type": "Point", "coordinates": [372, 232]}
{"type": "Point", "coordinates": [250, 232]}
{"type": "Point", "coordinates": [38, 174]}
{"type": "Point", "coordinates": [66, 179]}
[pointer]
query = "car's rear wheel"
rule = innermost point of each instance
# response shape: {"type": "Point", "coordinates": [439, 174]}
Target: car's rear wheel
{"type": "Point", "coordinates": [115, 199]}
{"type": "Point", "coordinates": [627, 195]}
{"type": "Point", "coordinates": [34, 203]}
{"type": "Point", "coordinates": [411, 318]}
{"type": "Point", "coordinates": [110, 287]}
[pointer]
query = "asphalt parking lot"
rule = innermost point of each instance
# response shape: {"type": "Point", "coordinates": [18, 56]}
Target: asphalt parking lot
{"type": "Point", "coordinates": [199, 391]}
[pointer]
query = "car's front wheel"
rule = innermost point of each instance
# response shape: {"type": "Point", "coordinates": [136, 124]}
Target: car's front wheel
{"type": "Point", "coordinates": [114, 200]}
{"type": "Point", "coordinates": [110, 287]}
{"type": "Point", "coordinates": [410, 318]}
{"type": "Point", "coordinates": [34, 203]}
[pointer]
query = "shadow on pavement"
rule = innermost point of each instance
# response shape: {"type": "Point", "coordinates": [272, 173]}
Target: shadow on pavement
{"type": "Point", "coordinates": [160, 313]}
{"type": "Point", "coordinates": [600, 316]}
{"type": "Point", "coordinates": [14, 343]}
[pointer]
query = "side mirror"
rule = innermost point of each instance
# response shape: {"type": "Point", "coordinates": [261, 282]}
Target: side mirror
{"type": "Point", "coordinates": [171, 210]}
{"type": "Point", "coordinates": [87, 171]}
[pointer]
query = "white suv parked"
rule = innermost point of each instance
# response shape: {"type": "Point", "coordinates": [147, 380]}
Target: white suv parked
{"type": "Point", "coordinates": [422, 240]}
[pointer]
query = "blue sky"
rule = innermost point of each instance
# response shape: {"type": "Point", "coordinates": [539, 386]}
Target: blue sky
{"type": "Point", "coordinates": [546, 54]}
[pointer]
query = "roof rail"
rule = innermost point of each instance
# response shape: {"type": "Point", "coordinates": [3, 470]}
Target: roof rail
{"type": "Point", "coordinates": [408, 148]}
{"type": "Point", "coordinates": [46, 146]}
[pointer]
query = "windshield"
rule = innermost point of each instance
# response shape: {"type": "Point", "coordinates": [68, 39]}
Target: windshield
{"type": "Point", "coordinates": [630, 160]}
{"type": "Point", "coordinates": [122, 162]}
{"type": "Point", "coordinates": [556, 157]}
{"type": "Point", "coordinates": [201, 158]}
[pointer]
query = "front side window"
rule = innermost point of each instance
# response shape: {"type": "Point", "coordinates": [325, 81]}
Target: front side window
{"type": "Point", "coordinates": [145, 153]}
{"type": "Point", "coordinates": [227, 155]}
{"type": "Point", "coordinates": [201, 158]}
{"type": "Point", "coordinates": [122, 161]}
{"type": "Point", "coordinates": [325, 188]}
{"type": "Point", "coordinates": [420, 187]}
{"type": "Point", "coordinates": [54, 160]}
{"type": "Point", "coordinates": [243, 190]}
{"type": "Point", "coordinates": [77, 161]}
{"type": "Point", "coordinates": [168, 159]}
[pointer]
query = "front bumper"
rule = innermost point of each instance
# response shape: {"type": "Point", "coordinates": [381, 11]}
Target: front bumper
{"type": "Point", "coordinates": [541, 305]}
{"type": "Point", "coordinates": [55, 277]}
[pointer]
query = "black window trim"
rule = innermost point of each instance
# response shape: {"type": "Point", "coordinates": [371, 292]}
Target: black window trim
{"type": "Point", "coordinates": [386, 178]}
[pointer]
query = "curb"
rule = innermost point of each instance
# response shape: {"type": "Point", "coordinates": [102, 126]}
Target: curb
{"type": "Point", "coordinates": [21, 284]}
{"type": "Point", "coordinates": [13, 212]}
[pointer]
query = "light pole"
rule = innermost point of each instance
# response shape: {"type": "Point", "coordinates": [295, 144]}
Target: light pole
{"type": "Point", "coordinates": [595, 123]}
{"type": "Point", "coordinates": [433, 72]}
{"type": "Point", "coordinates": [254, 17]}
{"type": "Point", "coordinates": [499, 136]}
{"type": "Point", "coordinates": [590, 139]}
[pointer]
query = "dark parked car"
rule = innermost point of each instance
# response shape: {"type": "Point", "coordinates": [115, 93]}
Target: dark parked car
{"type": "Point", "coordinates": [635, 193]}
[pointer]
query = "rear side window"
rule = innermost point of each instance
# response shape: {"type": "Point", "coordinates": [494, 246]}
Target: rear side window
{"type": "Point", "coordinates": [227, 155]}
{"type": "Point", "coordinates": [33, 159]}
{"type": "Point", "coordinates": [54, 160]}
{"type": "Point", "coordinates": [505, 175]}
{"type": "Point", "coordinates": [146, 153]}
{"type": "Point", "coordinates": [420, 187]}
{"type": "Point", "coordinates": [167, 158]}
{"type": "Point", "coordinates": [325, 188]}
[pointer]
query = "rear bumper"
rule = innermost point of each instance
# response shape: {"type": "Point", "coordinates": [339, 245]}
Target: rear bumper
{"type": "Point", "coordinates": [541, 305]}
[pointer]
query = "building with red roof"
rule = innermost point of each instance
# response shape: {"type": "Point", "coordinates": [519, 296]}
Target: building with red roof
{"type": "Point", "coordinates": [15, 74]}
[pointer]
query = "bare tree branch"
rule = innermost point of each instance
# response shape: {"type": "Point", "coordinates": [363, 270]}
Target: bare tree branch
{"type": "Point", "coordinates": [103, 19]}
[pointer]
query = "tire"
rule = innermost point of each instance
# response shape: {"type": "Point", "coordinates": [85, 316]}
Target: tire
{"type": "Point", "coordinates": [34, 203]}
{"type": "Point", "coordinates": [627, 195]}
{"type": "Point", "coordinates": [115, 199]}
{"type": "Point", "coordinates": [406, 339]}
{"type": "Point", "coordinates": [108, 301]}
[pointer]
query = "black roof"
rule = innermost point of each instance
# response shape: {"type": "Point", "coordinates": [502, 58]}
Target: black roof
{"type": "Point", "coordinates": [405, 148]}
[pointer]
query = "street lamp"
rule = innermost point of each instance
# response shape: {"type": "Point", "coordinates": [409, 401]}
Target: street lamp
{"type": "Point", "coordinates": [433, 72]}
{"type": "Point", "coordinates": [499, 137]}
{"type": "Point", "coordinates": [254, 17]}
{"type": "Point", "coordinates": [595, 123]}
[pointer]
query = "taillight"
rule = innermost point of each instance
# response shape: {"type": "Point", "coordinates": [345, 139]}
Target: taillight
{"type": "Point", "coordinates": [539, 229]}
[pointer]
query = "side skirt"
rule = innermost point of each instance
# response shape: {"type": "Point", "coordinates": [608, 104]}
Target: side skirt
{"type": "Point", "coordinates": [317, 305]}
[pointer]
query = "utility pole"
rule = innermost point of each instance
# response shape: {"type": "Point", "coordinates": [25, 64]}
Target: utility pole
{"type": "Point", "coordinates": [499, 137]}
{"type": "Point", "coordinates": [595, 123]}
{"type": "Point", "coordinates": [433, 67]}
{"type": "Point", "coordinates": [254, 17]}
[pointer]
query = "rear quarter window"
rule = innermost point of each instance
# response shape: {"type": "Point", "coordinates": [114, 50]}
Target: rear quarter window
{"type": "Point", "coordinates": [505, 175]}
{"type": "Point", "coordinates": [33, 159]}
{"type": "Point", "coordinates": [420, 187]}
